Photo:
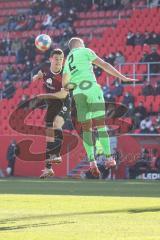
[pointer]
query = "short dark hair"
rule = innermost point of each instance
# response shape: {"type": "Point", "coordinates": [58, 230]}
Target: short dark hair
{"type": "Point", "coordinates": [72, 42]}
{"type": "Point", "coordinates": [57, 51]}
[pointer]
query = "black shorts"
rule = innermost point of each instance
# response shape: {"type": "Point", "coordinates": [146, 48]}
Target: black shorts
{"type": "Point", "coordinates": [57, 107]}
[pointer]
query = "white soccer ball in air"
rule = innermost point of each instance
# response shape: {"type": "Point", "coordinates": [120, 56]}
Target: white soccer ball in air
{"type": "Point", "coordinates": [43, 42]}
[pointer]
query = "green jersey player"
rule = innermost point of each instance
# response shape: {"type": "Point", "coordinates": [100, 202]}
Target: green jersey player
{"type": "Point", "coordinates": [78, 75]}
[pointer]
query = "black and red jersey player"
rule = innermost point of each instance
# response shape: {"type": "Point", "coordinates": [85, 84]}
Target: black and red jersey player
{"type": "Point", "coordinates": [58, 109]}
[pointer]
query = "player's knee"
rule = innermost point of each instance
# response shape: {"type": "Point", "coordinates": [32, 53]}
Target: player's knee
{"type": "Point", "coordinates": [58, 123]}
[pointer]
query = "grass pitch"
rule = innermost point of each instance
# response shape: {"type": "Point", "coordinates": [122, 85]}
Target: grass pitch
{"type": "Point", "coordinates": [32, 209]}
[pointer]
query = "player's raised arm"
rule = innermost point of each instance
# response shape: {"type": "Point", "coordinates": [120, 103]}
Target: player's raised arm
{"type": "Point", "coordinates": [38, 76]}
{"type": "Point", "coordinates": [111, 70]}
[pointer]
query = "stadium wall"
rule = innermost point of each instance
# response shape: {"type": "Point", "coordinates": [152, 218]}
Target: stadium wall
{"type": "Point", "coordinates": [29, 168]}
{"type": "Point", "coordinates": [130, 149]}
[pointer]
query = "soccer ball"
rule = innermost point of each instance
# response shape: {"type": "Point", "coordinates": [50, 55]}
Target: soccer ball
{"type": "Point", "coordinates": [43, 42]}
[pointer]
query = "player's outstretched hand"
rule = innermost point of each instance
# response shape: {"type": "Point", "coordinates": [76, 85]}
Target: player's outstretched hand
{"type": "Point", "coordinates": [40, 74]}
{"type": "Point", "coordinates": [64, 92]}
{"type": "Point", "coordinates": [129, 79]}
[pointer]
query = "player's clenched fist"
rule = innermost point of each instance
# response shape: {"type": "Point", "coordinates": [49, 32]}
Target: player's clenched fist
{"type": "Point", "coordinates": [40, 74]}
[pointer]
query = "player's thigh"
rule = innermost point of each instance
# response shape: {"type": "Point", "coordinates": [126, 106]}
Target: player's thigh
{"type": "Point", "coordinates": [96, 102]}
{"type": "Point", "coordinates": [82, 107]}
{"type": "Point", "coordinates": [53, 109]}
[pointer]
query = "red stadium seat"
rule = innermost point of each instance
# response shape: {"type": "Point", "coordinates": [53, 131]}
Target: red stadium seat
{"type": "Point", "coordinates": [156, 104]}
{"type": "Point", "coordinates": [108, 14]}
{"type": "Point", "coordinates": [137, 90]}
{"type": "Point", "coordinates": [139, 99]}
{"type": "Point", "coordinates": [147, 104]}
{"type": "Point", "coordinates": [128, 89]}
{"type": "Point", "coordinates": [126, 69]}
{"type": "Point", "coordinates": [100, 14]}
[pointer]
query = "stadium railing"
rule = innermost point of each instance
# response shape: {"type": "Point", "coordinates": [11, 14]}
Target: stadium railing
{"type": "Point", "coordinates": [145, 4]}
{"type": "Point", "coordinates": [142, 71]}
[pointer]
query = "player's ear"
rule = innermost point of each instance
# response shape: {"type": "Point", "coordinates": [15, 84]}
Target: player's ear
{"type": "Point", "coordinates": [50, 59]}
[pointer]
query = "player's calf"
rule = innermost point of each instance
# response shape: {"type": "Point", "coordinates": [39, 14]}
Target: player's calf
{"type": "Point", "coordinates": [53, 148]}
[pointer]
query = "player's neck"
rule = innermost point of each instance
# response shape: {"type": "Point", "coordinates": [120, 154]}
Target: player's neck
{"type": "Point", "coordinates": [55, 70]}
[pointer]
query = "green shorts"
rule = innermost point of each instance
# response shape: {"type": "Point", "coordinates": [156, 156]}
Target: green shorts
{"type": "Point", "coordinates": [90, 103]}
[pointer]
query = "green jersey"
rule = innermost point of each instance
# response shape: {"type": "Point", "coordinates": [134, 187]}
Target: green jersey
{"type": "Point", "coordinates": [87, 93]}
{"type": "Point", "coordinates": [79, 67]}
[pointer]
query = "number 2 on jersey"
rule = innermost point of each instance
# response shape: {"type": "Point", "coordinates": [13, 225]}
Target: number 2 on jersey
{"type": "Point", "coordinates": [71, 66]}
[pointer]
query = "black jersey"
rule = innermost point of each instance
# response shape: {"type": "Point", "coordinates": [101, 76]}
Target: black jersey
{"type": "Point", "coordinates": [52, 82]}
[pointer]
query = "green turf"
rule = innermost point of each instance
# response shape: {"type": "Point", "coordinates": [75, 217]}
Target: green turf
{"type": "Point", "coordinates": [32, 209]}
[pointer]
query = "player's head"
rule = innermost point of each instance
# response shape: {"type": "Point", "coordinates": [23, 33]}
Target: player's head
{"type": "Point", "coordinates": [56, 58]}
{"type": "Point", "coordinates": [75, 43]}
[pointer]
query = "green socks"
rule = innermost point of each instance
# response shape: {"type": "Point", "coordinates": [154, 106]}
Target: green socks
{"type": "Point", "coordinates": [104, 140]}
{"type": "Point", "coordinates": [88, 145]}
